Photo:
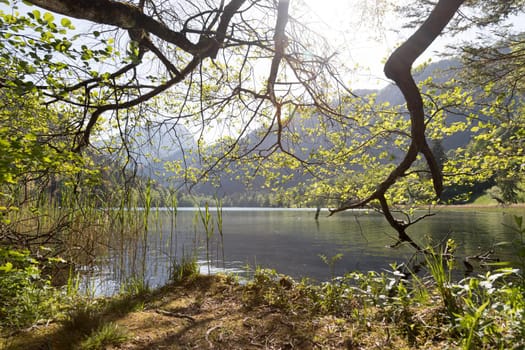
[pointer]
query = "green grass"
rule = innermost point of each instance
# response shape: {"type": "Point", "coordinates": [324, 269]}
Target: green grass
{"type": "Point", "coordinates": [108, 334]}
{"type": "Point", "coordinates": [185, 270]}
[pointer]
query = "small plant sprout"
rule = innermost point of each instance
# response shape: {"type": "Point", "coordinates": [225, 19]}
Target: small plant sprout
{"type": "Point", "coordinates": [330, 261]}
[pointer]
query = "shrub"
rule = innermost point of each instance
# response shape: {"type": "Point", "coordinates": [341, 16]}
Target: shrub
{"type": "Point", "coordinates": [27, 297]}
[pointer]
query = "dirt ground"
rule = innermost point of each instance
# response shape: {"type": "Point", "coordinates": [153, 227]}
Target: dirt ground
{"type": "Point", "coordinates": [216, 312]}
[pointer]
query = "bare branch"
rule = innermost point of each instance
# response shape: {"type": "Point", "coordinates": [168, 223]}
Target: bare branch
{"type": "Point", "coordinates": [84, 139]}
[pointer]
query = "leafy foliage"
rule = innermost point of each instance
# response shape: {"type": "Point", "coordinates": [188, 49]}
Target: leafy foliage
{"type": "Point", "coordinates": [488, 310]}
{"type": "Point", "coordinates": [27, 294]}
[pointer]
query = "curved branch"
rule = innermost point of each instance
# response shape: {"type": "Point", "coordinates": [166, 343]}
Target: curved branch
{"type": "Point", "coordinates": [85, 135]}
{"type": "Point", "coordinates": [398, 68]}
{"type": "Point", "coordinates": [131, 17]}
{"type": "Point", "coordinates": [280, 46]}
{"type": "Point", "coordinates": [122, 15]}
{"type": "Point", "coordinates": [398, 225]}
{"type": "Point", "coordinates": [280, 41]}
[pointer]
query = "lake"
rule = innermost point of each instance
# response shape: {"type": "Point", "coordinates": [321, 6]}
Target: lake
{"type": "Point", "coordinates": [291, 241]}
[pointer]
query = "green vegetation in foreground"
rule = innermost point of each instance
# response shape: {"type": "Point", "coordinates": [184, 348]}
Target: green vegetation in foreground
{"type": "Point", "coordinates": [273, 311]}
{"type": "Point", "coordinates": [358, 310]}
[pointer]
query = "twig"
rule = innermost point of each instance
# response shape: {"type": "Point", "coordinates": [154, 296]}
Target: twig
{"type": "Point", "coordinates": [174, 314]}
{"type": "Point", "coordinates": [208, 332]}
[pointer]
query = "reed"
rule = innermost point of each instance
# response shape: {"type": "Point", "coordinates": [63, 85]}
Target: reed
{"type": "Point", "coordinates": [172, 208]}
{"type": "Point", "coordinates": [440, 265]}
{"type": "Point", "coordinates": [331, 261]}
{"type": "Point", "coordinates": [207, 223]}
{"type": "Point", "coordinates": [220, 229]}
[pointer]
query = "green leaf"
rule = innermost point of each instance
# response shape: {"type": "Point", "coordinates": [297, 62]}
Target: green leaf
{"type": "Point", "coordinates": [36, 14]}
{"type": "Point", "coordinates": [49, 18]}
{"type": "Point", "coordinates": [6, 267]}
{"type": "Point", "coordinates": [66, 22]}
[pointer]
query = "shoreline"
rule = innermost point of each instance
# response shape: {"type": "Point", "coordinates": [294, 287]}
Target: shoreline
{"type": "Point", "coordinates": [478, 206]}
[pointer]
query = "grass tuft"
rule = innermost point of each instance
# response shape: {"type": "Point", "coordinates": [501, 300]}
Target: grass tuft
{"type": "Point", "coordinates": [185, 270]}
{"type": "Point", "coordinates": [109, 334]}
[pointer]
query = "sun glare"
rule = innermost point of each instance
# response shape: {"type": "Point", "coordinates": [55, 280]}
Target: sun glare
{"type": "Point", "coordinates": [359, 32]}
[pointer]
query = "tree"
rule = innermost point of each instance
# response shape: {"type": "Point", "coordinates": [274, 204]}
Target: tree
{"type": "Point", "coordinates": [489, 88]}
{"type": "Point", "coordinates": [211, 51]}
{"type": "Point", "coordinates": [199, 63]}
{"type": "Point", "coordinates": [150, 64]}
{"type": "Point", "coordinates": [33, 166]}
{"type": "Point", "coordinates": [32, 146]}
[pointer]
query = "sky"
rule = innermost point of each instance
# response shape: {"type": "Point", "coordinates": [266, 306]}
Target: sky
{"type": "Point", "coordinates": [360, 41]}
{"type": "Point", "coordinates": [365, 36]}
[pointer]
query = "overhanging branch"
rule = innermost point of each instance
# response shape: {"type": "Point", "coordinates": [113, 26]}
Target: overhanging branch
{"type": "Point", "coordinates": [119, 14]}
{"type": "Point", "coordinates": [398, 68]}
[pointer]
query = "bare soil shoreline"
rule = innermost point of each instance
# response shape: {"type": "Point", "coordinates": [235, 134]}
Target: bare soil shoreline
{"type": "Point", "coordinates": [215, 312]}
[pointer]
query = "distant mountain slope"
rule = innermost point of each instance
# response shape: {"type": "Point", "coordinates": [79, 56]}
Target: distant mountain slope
{"type": "Point", "coordinates": [171, 143]}
{"type": "Point", "coordinates": [440, 72]}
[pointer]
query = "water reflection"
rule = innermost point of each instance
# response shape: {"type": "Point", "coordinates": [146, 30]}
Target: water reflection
{"type": "Point", "coordinates": [290, 241]}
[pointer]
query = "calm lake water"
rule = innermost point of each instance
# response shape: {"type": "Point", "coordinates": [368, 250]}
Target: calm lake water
{"type": "Point", "coordinates": [291, 241]}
